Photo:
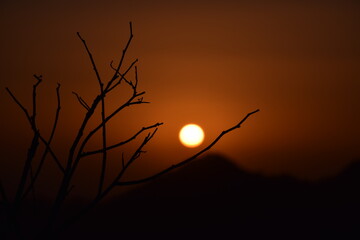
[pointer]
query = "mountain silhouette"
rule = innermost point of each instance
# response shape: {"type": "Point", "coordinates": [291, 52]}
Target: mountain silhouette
{"type": "Point", "coordinates": [213, 198]}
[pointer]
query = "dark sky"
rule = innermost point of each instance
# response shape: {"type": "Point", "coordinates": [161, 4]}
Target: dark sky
{"type": "Point", "coordinates": [206, 62]}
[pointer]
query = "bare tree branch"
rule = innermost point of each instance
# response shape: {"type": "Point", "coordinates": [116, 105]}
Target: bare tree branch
{"type": "Point", "coordinates": [117, 70]}
{"type": "Point", "coordinates": [135, 156]}
{"type": "Point", "coordinates": [73, 160]}
{"type": "Point", "coordinates": [76, 151]}
{"type": "Point", "coordinates": [108, 118]}
{"type": "Point", "coordinates": [19, 104]}
{"type": "Point", "coordinates": [30, 156]}
{"type": "Point", "coordinates": [34, 129]}
{"type": "Point", "coordinates": [39, 79]}
{"type": "Point", "coordinates": [32, 149]}
{"type": "Point", "coordinates": [122, 160]}
{"type": "Point", "coordinates": [113, 184]}
{"type": "Point", "coordinates": [122, 76]}
{"type": "Point", "coordinates": [81, 101]}
{"type": "Point", "coordinates": [102, 94]}
{"type": "Point", "coordinates": [46, 151]}
{"type": "Point", "coordinates": [189, 159]}
{"type": "Point", "coordinates": [103, 166]}
{"type": "Point", "coordinates": [91, 58]}
{"type": "Point", "coordinates": [123, 142]}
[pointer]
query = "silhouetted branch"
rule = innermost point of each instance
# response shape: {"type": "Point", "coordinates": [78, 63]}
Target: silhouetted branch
{"type": "Point", "coordinates": [19, 104]}
{"type": "Point", "coordinates": [81, 101]}
{"type": "Point", "coordinates": [34, 129]}
{"type": "Point", "coordinates": [189, 159]}
{"type": "Point", "coordinates": [33, 147]}
{"type": "Point", "coordinates": [135, 155]}
{"type": "Point", "coordinates": [76, 151]}
{"type": "Point", "coordinates": [122, 76]}
{"type": "Point", "coordinates": [113, 184]}
{"type": "Point", "coordinates": [103, 166]}
{"type": "Point", "coordinates": [46, 151]}
{"type": "Point", "coordinates": [30, 156]}
{"type": "Point", "coordinates": [39, 80]}
{"type": "Point", "coordinates": [91, 58]}
{"type": "Point", "coordinates": [117, 69]}
{"type": "Point", "coordinates": [121, 143]}
{"type": "Point", "coordinates": [132, 85]}
{"type": "Point", "coordinates": [73, 158]}
{"type": "Point", "coordinates": [122, 160]}
{"type": "Point", "coordinates": [108, 118]}
{"type": "Point", "coordinates": [61, 168]}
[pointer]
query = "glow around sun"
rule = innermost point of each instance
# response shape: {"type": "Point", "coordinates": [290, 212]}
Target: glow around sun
{"type": "Point", "coordinates": [191, 135]}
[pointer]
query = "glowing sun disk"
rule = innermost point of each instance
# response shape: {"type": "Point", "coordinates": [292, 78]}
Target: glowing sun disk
{"type": "Point", "coordinates": [191, 135]}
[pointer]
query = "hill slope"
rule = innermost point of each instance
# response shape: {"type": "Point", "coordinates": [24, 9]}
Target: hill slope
{"type": "Point", "coordinates": [212, 197]}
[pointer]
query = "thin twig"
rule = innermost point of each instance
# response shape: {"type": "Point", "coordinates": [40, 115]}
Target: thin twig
{"type": "Point", "coordinates": [135, 156]}
{"type": "Point", "coordinates": [81, 101]}
{"type": "Point", "coordinates": [136, 78]}
{"type": "Point", "coordinates": [122, 160]}
{"type": "Point", "coordinates": [189, 159]}
{"type": "Point", "coordinates": [131, 84]}
{"type": "Point", "coordinates": [32, 127]}
{"type": "Point", "coordinates": [113, 184]}
{"type": "Point", "coordinates": [91, 133]}
{"type": "Point", "coordinates": [108, 118]}
{"type": "Point", "coordinates": [19, 104]}
{"type": "Point", "coordinates": [61, 168]}
{"type": "Point", "coordinates": [73, 160]}
{"type": "Point", "coordinates": [123, 142]}
{"type": "Point", "coordinates": [91, 58]}
{"type": "Point", "coordinates": [101, 85]}
{"type": "Point", "coordinates": [117, 70]}
{"type": "Point", "coordinates": [30, 156]}
{"type": "Point", "coordinates": [121, 75]}
{"type": "Point", "coordinates": [32, 149]}
{"type": "Point", "coordinates": [39, 80]}
{"type": "Point", "coordinates": [46, 151]}
{"type": "Point", "coordinates": [103, 165]}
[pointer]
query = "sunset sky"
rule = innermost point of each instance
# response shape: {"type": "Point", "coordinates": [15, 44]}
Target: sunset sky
{"type": "Point", "coordinates": [203, 62]}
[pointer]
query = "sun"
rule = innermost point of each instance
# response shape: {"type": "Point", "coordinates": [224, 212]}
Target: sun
{"type": "Point", "coordinates": [191, 135]}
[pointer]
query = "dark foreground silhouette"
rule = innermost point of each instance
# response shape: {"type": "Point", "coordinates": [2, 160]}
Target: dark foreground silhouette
{"type": "Point", "coordinates": [212, 198]}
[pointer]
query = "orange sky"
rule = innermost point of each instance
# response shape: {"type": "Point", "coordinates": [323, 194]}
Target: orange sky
{"type": "Point", "coordinates": [207, 62]}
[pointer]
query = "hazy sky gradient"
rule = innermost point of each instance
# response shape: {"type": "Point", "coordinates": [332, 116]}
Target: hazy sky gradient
{"type": "Point", "coordinates": [206, 62]}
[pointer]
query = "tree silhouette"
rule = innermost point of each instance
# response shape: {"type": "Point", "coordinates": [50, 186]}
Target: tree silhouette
{"type": "Point", "coordinates": [68, 167]}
